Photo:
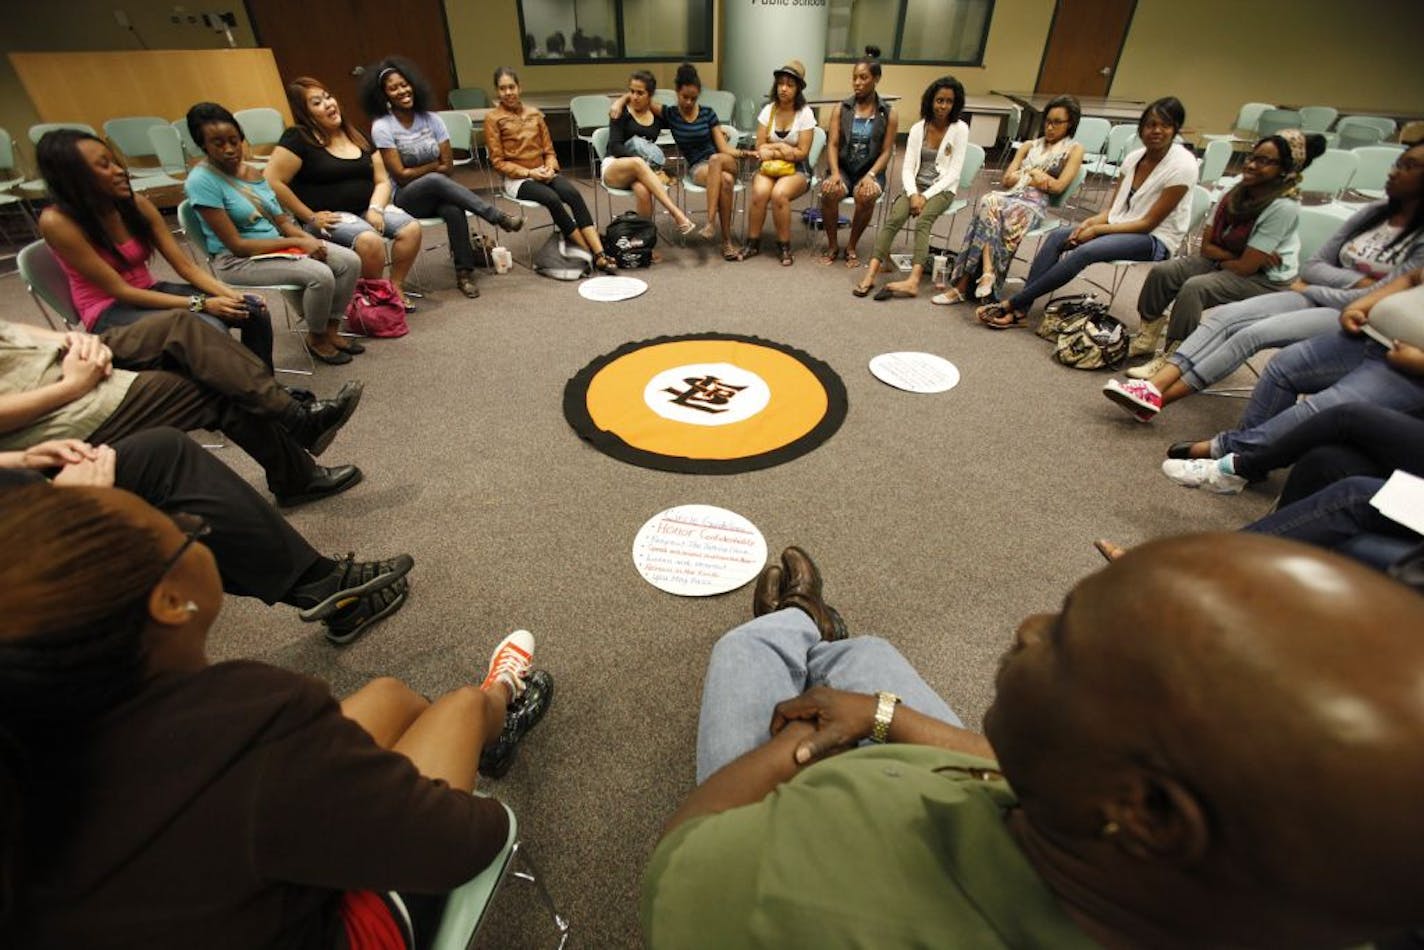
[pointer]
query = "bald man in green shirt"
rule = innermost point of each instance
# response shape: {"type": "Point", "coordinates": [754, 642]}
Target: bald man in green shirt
{"type": "Point", "coordinates": [1218, 741]}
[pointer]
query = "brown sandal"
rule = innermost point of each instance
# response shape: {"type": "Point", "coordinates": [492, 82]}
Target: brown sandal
{"type": "Point", "coordinates": [783, 248]}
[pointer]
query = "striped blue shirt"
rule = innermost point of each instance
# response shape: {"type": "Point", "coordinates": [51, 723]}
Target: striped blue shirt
{"type": "Point", "coordinates": [693, 138]}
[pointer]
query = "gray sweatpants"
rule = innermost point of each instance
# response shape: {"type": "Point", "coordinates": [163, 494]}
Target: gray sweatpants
{"type": "Point", "coordinates": [1191, 285]}
{"type": "Point", "coordinates": [327, 285]}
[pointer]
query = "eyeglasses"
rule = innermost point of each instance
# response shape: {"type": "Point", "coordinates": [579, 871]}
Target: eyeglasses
{"type": "Point", "coordinates": [1261, 160]}
{"type": "Point", "coordinates": [193, 527]}
{"type": "Point", "coordinates": [1055, 121]}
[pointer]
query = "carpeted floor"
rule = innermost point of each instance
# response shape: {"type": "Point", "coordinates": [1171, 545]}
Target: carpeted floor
{"type": "Point", "coordinates": [939, 522]}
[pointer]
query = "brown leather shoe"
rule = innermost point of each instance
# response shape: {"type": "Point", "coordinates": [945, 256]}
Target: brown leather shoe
{"type": "Point", "coordinates": [767, 596]}
{"type": "Point", "coordinates": [801, 588]}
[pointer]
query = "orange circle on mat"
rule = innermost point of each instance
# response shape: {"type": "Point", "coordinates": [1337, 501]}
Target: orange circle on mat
{"type": "Point", "coordinates": [615, 401]}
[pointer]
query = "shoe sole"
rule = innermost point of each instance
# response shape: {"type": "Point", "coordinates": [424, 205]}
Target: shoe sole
{"type": "Point", "coordinates": [345, 637]}
{"type": "Point", "coordinates": [339, 599]}
{"type": "Point", "coordinates": [291, 501]}
{"type": "Point", "coordinates": [325, 438]}
{"type": "Point", "coordinates": [1140, 411]}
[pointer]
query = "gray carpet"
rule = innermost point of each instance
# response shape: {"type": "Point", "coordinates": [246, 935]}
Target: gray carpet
{"type": "Point", "coordinates": [939, 522]}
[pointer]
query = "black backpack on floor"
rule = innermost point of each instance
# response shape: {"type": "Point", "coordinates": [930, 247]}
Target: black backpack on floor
{"type": "Point", "coordinates": [630, 240]}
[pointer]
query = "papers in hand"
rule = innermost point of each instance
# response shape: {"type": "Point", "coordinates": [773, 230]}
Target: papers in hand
{"type": "Point", "coordinates": [285, 254]}
{"type": "Point", "coordinates": [1374, 334]}
{"type": "Point", "coordinates": [1402, 500]}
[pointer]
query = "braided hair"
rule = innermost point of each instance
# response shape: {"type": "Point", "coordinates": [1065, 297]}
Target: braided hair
{"type": "Point", "coordinates": [72, 615]}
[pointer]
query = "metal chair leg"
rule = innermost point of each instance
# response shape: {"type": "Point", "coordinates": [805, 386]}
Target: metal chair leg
{"type": "Point", "coordinates": [531, 876]}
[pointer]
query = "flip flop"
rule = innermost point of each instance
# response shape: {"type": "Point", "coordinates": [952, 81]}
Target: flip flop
{"type": "Point", "coordinates": [686, 227]}
{"type": "Point", "coordinates": [948, 298]}
{"type": "Point", "coordinates": [852, 260]}
{"type": "Point", "coordinates": [884, 293]}
{"type": "Point", "coordinates": [729, 253]}
{"type": "Point", "coordinates": [830, 256]}
{"type": "Point", "coordinates": [995, 322]}
{"type": "Point", "coordinates": [861, 291]}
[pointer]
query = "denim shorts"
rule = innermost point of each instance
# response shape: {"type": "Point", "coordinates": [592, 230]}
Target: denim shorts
{"type": "Point", "coordinates": [353, 226]}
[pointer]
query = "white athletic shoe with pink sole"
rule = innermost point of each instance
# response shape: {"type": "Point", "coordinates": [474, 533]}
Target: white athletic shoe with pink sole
{"type": "Point", "coordinates": [511, 662]}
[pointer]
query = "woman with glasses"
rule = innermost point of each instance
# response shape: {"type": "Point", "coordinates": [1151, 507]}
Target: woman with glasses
{"type": "Point", "coordinates": [1146, 221]}
{"type": "Point", "coordinates": [1252, 247]}
{"type": "Point", "coordinates": [1041, 168]}
{"type": "Point", "coordinates": [153, 797]}
{"type": "Point", "coordinates": [1380, 242]}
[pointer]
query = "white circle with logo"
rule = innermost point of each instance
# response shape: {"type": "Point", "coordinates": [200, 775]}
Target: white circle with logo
{"type": "Point", "coordinates": [707, 394]}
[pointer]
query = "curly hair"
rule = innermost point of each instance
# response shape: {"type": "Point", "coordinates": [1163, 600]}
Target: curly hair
{"type": "Point", "coordinates": [372, 91]}
{"type": "Point", "coordinates": [932, 90]}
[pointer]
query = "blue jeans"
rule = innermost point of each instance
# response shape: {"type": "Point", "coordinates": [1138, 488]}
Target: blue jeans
{"type": "Point", "coordinates": [647, 150]}
{"type": "Point", "coordinates": [1053, 267]}
{"type": "Point", "coordinates": [1332, 516]}
{"type": "Point", "coordinates": [353, 226]}
{"type": "Point", "coordinates": [436, 195]}
{"type": "Point", "coordinates": [778, 657]}
{"type": "Point", "coordinates": [1328, 370]}
{"type": "Point", "coordinates": [1230, 334]}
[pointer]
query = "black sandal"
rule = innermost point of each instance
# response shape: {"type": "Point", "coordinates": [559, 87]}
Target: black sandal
{"type": "Point", "coordinates": [750, 249]}
{"type": "Point", "coordinates": [606, 264]}
{"type": "Point", "coordinates": [783, 248]}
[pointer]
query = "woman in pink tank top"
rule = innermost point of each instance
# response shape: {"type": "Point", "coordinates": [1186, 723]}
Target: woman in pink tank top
{"type": "Point", "coordinates": [103, 233]}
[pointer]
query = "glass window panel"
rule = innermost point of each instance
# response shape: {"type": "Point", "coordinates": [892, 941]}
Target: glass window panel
{"type": "Point", "coordinates": [854, 24]}
{"type": "Point", "coordinates": [570, 29]}
{"type": "Point", "coordinates": [665, 30]}
{"type": "Point", "coordinates": [944, 31]}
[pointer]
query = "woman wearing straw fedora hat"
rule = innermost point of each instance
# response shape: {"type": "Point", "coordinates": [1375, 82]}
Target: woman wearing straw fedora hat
{"type": "Point", "coordinates": [785, 129]}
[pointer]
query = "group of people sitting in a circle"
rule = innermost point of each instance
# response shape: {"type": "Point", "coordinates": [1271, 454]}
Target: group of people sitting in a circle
{"type": "Point", "coordinates": [155, 798]}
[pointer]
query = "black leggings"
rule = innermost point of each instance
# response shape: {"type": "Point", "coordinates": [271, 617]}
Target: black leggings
{"type": "Point", "coordinates": [553, 195]}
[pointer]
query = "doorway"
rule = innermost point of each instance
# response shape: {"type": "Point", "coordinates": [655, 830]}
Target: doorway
{"type": "Point", "coordinates": [1085, 41]}
{"type": "Point", "coordinates": [335, 40]}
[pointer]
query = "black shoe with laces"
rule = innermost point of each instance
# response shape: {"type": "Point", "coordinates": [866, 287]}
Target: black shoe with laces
{"type": "Point", "coordinates": [348, 582]}
{"type": "Point", "coordinates": [315, 424]}
{"type": "Point", "coordinates": [522, 715]}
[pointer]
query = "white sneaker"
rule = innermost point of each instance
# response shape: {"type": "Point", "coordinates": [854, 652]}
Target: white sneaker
{"type": "Point", "coordinates": [1203, 473]}
{"type": "Point", "coordinates": [1149, 369]}
{"type": "Point", "coordinates": [511, 662]}
{"type": "Point", "coordinates": [1138, 397]}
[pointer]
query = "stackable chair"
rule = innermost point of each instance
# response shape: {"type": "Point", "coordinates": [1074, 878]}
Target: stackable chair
{"type": "Point", "coordinates": [1244, 129]}
{"type": "Point", "coordinates": [1330, 173]}
{"type": "Point", "coordinates": [1317, 118]}
{"type": "Point", "coordinates": [468, 905]}
{"type": "Point", "coordinates": [261, 127]}
{"type": "Point", "coordinates": [1201, 200]}
{"type": "Point", "coordinates": [48, 286]}
{"type": "Point", "coordinates": [498, 193]}
{"type": "Point", "coordinates": [588, 113]}
{"type": "Point", "coordinates": [973, 161]}
{"type": "Point", "coordinates": [468, 97]}
{"type": "Point", "coordinates": [38, 130]}
{"type": "Point", "coordinates": [129, 137]}
{"type": "Point", "coordinates": [288, 293]}
{"type": "Point", "coordinates": [1277, 120]}
{"type": "Point", "coordinates": [1375, 163]}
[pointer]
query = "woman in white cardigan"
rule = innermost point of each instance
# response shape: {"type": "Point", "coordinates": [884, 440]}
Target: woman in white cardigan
{"type": "Point", "coordinates": [934, 155]}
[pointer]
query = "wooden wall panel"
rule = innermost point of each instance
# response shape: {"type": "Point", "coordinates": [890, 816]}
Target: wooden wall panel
{"type": "Point", "coordinates": [94, 87]}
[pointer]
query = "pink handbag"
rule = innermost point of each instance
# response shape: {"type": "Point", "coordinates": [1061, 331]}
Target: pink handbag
{"type": "Point", "coordinates": [376, 309]}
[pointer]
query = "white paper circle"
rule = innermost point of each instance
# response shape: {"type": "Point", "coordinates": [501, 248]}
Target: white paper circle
{"type": "Point", "coordinates": [915, 372]}
{"type": "Point", "coordinates": [707, 394]}
{"type": "Point", "coordinates": [611, 289]}
{"type": "Point", "coordinates": [698, 550]}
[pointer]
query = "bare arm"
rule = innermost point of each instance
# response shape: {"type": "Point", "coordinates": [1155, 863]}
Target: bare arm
{"type": "Point", "coordinates": [281, 168]}
{"type": "Point", "coordinates": [381, 193]}
{"type": "Point", "coordinates": [239, 246]}
{"type": "Point", "coordinates": [833, 145]}
{"type": "Point", "coordinates": [1012, 173]}
{"type": "Point", "coordinates": [887, 145]}
{"type": "Point", "coordinates": [745, 780]}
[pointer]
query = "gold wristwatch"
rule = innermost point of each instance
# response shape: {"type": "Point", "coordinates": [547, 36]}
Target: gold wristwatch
{"type": "Point", "coordinates": [884, 715]}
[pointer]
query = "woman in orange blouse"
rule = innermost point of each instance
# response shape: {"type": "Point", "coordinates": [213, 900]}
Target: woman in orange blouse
{"type": "Point", "coordinates": [522, 151]}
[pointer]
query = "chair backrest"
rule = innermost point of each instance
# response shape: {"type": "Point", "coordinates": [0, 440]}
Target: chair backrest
{"type": "Point", "coordinates": [1250, 115]}
{"type": "Point", "coordinates": [599, 143]}
{"type": "Point", "coordinates": [130, 134]}
{"type": "Point", "coordinates": [37, 131]}
{"type": "Point", "coordinates": [1316, 225]}
{"type": "Point", "coordinates": [1214, 161]}
{"type": "Point", "coordinates": [1385, 124]}
{"type": "Point", "coordinates": [1330, 172]}
{"type": "Point", "coordinates": [720, 101]}
{"type": "Point", "coordinates": [666, 96]}
{"type": "Point", "coordinates": [1119, 138]}
{"type": "Point", "coordinates": [7, 153]}
{"type": "Point", "coordinates": [973, 163]}
{"type": "Point", "coordinates": [468, 97]}
{"type": "Point", "coordinates": [46, 282]}
{"type": "Point", "coordinates": [467, 904]}
{"type": "Point", "coordinates": [1092, 134]}
{"type": "Point", "coordinates": [1375, 163]}
{"type": "Point", "coordinates": [1277, 120]}
{"type": "Point", "coordinates": [461, 129]}
{"type": "Point", "coordinates": [192, 226]}
{"type": "Point", "coordinates": [261, 126]}
{"type": "Point", "coordinates": [168, 147]}
{"type": "Point", "coordinates": [1201, 204]}
{"type": "Point", "coordinates": [1317, 118]}
{"type": "Point", "coordinates": [589, 112]}
{"type": "Point", "coordinates": [818, 145]}
{"type": "Point", "coordinates": [1356, 135]}
{"type": "Point", "coordinates": [1058, 200]}
{"type": "Point", "coordinates": [190, 148]}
